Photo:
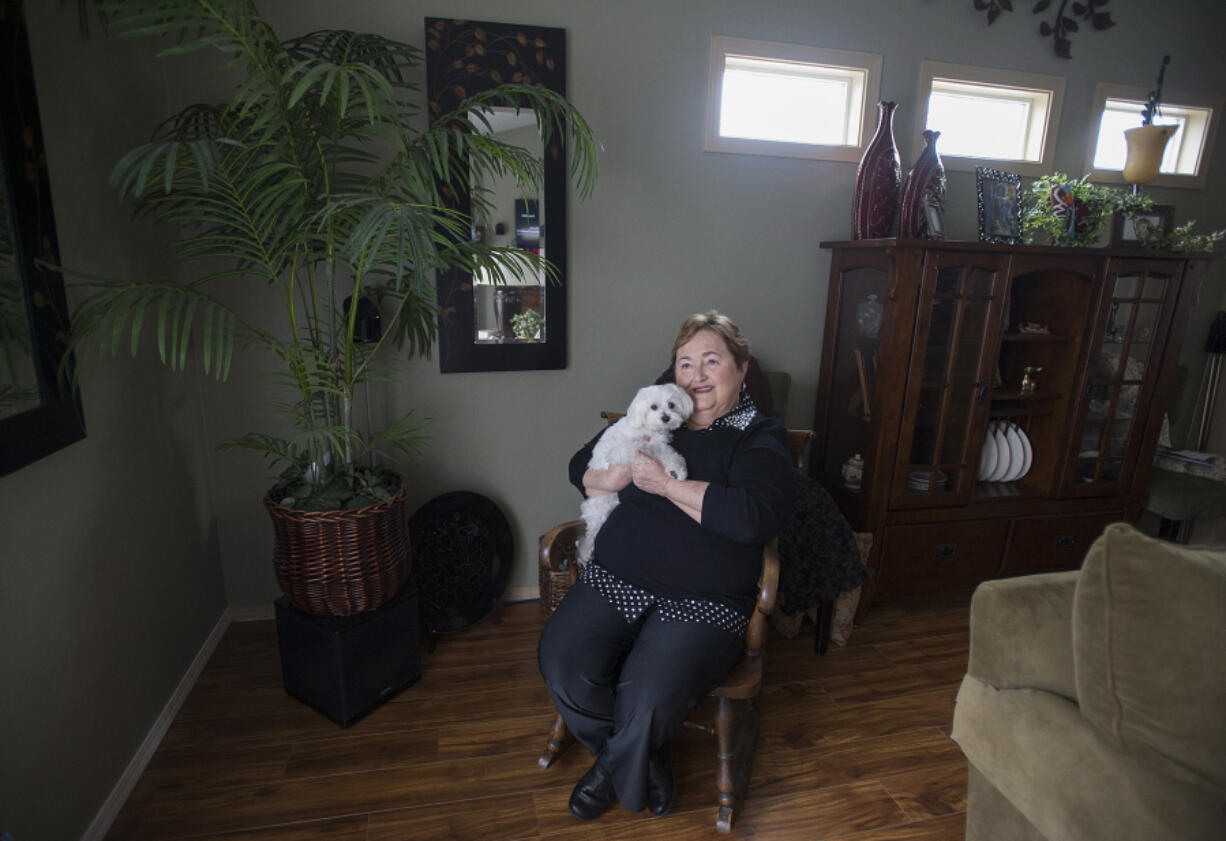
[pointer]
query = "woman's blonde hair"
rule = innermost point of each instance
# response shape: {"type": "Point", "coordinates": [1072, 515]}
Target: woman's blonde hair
{"type": "Point", "coordinates": [722, 325]}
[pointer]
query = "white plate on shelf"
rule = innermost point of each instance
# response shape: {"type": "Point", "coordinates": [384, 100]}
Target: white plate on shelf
{"type": "Point", "coordinates": [1003, 463]}
{"type": "Point", "coordinates": [919, 480]}
{"type": "Point", "coordinates": [1027, 451]}
{"type": "Point", "coordinates": [989, 446]}
{"type": "Point", "coordinates": [987, 459]}
{"type": "Point", "coordinates": [1017, 455]}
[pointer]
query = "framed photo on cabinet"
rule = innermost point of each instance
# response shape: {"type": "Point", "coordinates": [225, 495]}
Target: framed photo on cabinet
{"type": "Point", "coordinates": [999, 196]}
{"type": "Point", "coordinates": [1144, 229]}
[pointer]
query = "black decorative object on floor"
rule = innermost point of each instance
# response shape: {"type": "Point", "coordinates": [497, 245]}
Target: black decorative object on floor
{"type": "Point", "coordinates": [345, 666]}
{"type": "Point", "coordinates": [462, 556]}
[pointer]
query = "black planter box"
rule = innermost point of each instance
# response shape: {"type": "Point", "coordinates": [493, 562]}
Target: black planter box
{"type": "Point", "coordinates": [345, 666]}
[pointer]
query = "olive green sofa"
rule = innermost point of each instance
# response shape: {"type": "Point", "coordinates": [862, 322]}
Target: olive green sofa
{"type": "Point", "coordinates": [1094, 705]}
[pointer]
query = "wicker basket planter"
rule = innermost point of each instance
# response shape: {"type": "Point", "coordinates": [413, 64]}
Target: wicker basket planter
{"type": "Point", "coordinates": [338, 563]}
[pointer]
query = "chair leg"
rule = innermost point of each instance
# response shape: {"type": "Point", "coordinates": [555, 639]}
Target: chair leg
{"type": "Point", "coordinates": [824, 620]}
{"type": "Point", "coordinates": [725, 775]}
{"type": "Point", "coordinates": [737, 741]}
{"type": "Point", "coordinates": [559, 739]}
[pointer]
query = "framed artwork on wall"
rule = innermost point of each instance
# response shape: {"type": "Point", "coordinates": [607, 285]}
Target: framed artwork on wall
{"type": "Point", "coordinates": [40, 409]}
{"type": "Point", "coordinates": [1147, 228]}
{"type": "Point", "coordinates": [999, 196]}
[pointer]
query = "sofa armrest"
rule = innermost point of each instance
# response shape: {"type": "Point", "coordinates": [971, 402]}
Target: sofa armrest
{"type": "Point", "coordinates": [1022, 633]}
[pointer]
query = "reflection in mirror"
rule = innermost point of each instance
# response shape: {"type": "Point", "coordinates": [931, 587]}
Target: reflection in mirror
{"type": "Point", "coordinates": [18, 381]}
{"type": "Point", "coordinates": [504, 216]}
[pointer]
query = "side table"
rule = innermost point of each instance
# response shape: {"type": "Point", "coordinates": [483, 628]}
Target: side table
{"type": "Point", "coordinates": [1179, 492]}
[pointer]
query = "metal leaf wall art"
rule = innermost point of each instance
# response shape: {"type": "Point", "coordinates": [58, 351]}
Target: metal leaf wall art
{"type": "Point", "coordinates": [1064, 22]}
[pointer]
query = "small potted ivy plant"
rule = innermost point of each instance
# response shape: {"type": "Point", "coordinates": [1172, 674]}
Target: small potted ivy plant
{"type": "Point", "coordinates": [1181, 238]}
{"type": "Point", "coordinates": [526, 325]}
{"type": "Point", "coordinates": [1071, 211]}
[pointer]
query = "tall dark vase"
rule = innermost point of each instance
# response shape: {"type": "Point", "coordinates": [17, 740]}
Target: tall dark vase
{"type": "Point", "coordinates": [877, 180]}
{"type": "Point", "coordinates": [922, 215]}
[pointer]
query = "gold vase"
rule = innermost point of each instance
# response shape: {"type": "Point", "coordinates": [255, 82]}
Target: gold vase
{"type": "Point", "coordinates": [1146, 145]}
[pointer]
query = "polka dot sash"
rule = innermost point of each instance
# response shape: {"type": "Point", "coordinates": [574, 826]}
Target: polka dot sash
{"type": "Point", "coordinates": [631, 601]}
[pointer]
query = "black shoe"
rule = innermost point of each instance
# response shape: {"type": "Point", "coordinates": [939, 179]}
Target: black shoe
{"type": "Point", "coordinates": [661, 783]}
{"type": "Point", "coordinates": [593, 795]}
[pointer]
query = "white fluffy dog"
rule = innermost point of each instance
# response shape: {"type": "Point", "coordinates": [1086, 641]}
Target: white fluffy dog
{"type": "Point", "coordinates": [648, 428]}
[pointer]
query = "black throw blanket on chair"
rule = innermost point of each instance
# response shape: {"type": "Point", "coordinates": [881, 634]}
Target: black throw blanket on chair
{"type": "Point", "coordinates": [818, 558]}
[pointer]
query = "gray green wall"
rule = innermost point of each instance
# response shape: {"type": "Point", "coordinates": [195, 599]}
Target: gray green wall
{"type": "Point", "coordinates": [672, 229]}
{"type": "Point", "coordinates": [110, 578]}
{"type": "Point", "coordinates": [123, 551]}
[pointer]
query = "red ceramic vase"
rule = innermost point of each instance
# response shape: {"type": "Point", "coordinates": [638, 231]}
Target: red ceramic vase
{"type": "Point", "coordinates": [877, 180]}
{"type": "Point", "coordinates": [922, 215]}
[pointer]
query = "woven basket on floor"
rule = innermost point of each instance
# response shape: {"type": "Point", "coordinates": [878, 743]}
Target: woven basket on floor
{"type": "Point", "coordinates": [337, 563]}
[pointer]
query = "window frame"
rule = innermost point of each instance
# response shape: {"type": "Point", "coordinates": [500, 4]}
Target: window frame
{"type": "Point", "coordinates": [1013, 80]}
{"type": "Point", "coordinates": [1177, 99]}
{"type": "Point", "coordinates": [722, 45]}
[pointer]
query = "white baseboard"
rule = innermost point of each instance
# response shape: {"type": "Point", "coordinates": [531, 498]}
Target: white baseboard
{"type": "Point", "coordinates": [252, 613]}
{"type": "Point", "coordinates": [522, 594]}
{"type": "Point", "coordinates": [106, 815]}
{"type": "Point", "coordinates": [102, 821]}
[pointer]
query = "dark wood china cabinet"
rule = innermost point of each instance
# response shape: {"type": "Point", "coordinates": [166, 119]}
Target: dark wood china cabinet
{"type": "Point", "coordinates": [1004, 401]}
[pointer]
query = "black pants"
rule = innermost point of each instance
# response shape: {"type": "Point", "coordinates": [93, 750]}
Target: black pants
{"type": "Point", "coordinates": [624, 688]}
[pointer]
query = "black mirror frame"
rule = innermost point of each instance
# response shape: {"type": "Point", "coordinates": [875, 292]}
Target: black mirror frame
{"type": "Point", "coordinates": [58, 420]}
{"type": "Point", "coordinates": [490, 54]}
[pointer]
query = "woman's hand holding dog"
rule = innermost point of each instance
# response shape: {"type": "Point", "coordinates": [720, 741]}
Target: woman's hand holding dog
{"type": "Point", "coordinates": [687, 494]}
{"type": "Point", "coordinates": [608, 481]}
{"type": "Point", "coordinates": [649, 475]}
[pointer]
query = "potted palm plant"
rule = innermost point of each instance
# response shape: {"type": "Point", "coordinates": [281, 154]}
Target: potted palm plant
{"type": "Point", "coordinates": [318, 178]}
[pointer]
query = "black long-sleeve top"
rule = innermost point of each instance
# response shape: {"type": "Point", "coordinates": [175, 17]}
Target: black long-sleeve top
{"type": "Point", "coordinates": [650, 543]}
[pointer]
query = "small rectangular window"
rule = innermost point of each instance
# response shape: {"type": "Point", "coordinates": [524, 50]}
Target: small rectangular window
{"type": "Point", "coordinates": [1184, 162]}
{"type": "Point", "coordinates": [987, 116]}
{"type": "Point", "coordinates": [769, 98]}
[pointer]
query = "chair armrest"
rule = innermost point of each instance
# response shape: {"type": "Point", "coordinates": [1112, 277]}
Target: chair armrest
{"type": "Point", "coordinates": [558, 545]}
{"type": "Point", "coordinates": [768, 587]}
{"type": "Point", "coordinates": [1022, 633]}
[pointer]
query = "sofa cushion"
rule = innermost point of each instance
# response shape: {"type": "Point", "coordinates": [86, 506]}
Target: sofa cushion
{"type": "Point", "coordinates": [1149, 626]}
{"type": "Point", "coordinates": [1035, 748]}
{"type": "Point", "coordinates": [1022, 632]}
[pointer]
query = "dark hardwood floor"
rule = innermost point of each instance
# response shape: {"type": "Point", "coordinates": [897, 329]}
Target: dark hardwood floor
{"type": "Point", "coordinates": [854, 745]}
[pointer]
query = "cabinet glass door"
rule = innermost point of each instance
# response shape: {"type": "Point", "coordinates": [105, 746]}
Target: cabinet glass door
{"type": "Point", "coordinates": [951, 375]}
{"type": "Point", "coordinates": [848, 452]}
{"type": "Point", "coordinates": [1122, 370]}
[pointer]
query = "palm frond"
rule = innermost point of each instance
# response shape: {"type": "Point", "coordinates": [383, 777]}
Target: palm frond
{"type": "Point", "coordinates": [119, 309]}
{"type": "Point", "coordinates": [348, 72]}
{"type": "Point", "coordinates": [404, 434]}
{"type": "Point", "coordinates": [300, 449]}
{"type": "Point", "coordinates": [555, 117]}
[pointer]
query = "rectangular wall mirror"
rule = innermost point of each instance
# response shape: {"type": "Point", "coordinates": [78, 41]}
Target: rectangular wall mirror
{"type": "Point", "coordinates": [38, 413]}
{"type": "Point", "coordinates": [489, 326]}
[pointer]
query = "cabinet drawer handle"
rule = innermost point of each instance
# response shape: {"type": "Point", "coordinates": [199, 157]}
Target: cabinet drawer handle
{"type": "Point", "coordinates": [945, 550]}
{"type": "Point", "coordinates": [1066, 540]}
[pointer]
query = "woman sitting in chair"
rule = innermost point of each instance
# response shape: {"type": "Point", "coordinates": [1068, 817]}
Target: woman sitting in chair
{"type": "Point", "coordinates": [658, 617]}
